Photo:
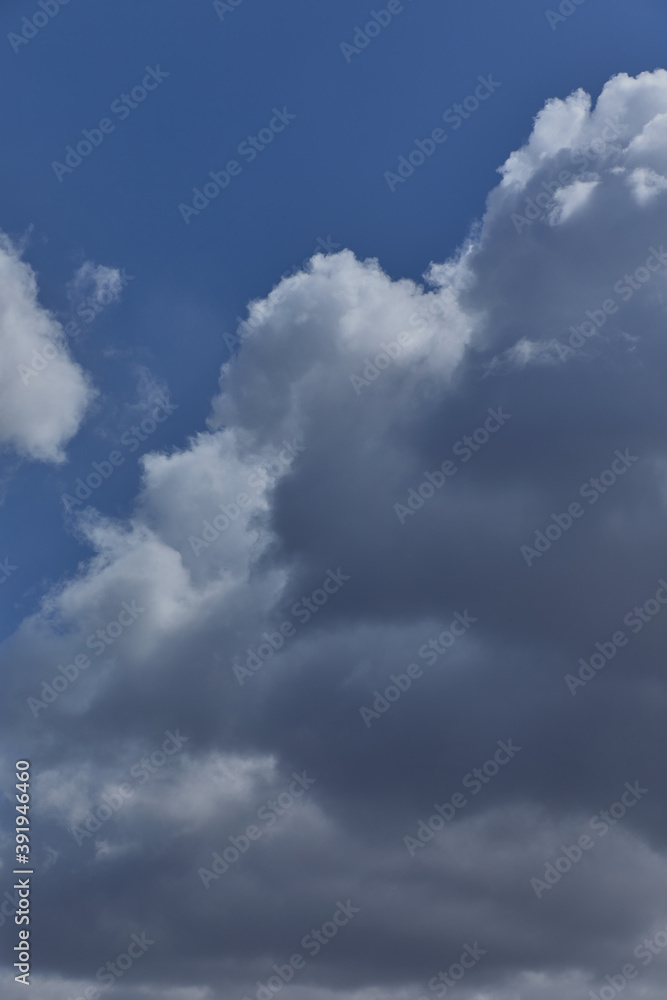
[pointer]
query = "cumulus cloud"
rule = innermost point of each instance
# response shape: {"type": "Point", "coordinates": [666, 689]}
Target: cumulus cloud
{"type": "Point", "coordinates": [410, 441]}
{"type": "Point", "coordinates": [43, 392]}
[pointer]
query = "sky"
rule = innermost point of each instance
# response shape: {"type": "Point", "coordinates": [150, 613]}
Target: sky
{"type": "Point", "coordinates": [332, 498]}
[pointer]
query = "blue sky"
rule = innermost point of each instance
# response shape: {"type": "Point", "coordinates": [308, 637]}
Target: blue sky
{"type": "Point", "coordinates": [335, 459]}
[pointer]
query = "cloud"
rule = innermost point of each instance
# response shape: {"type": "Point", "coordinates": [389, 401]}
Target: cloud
{"type": "Point", "coordinates": [322, 462]}
{"type": "Point", "coordinates": [102, 285]}
{"type": "Point", "coordinates": [44, 394]}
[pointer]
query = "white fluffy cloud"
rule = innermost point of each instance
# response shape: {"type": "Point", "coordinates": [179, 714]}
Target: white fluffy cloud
{"type": "Point", "coordinates": [43, 392]}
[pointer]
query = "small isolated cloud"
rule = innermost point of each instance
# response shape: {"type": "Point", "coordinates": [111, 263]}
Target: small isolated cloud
{"type": "Point", "coordinates": [95, 281]}
{"type": "Point", "coordinates": [44, 394]}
